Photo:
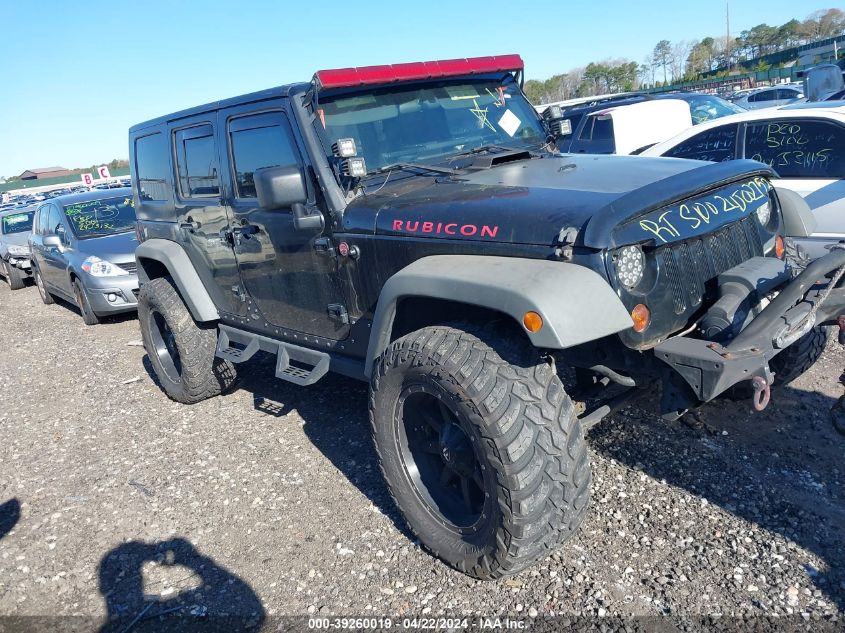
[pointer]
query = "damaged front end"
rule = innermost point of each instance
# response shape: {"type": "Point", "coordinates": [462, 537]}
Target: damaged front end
{"type": "Point", "coordinates": [710, 366]}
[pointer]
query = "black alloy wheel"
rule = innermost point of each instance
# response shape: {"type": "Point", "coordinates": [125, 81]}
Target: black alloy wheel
{"type": "Point", "coordinates": [165, 348]}
{"type": "Point", "coordinates": [439, 459]}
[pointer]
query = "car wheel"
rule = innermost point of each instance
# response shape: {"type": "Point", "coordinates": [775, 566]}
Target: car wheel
{"type": "Point", "coordinates": [46, 297]}
{"type": "Point", "coordinates": [14, 276]}
{"type": "Point", "coordinates": [480, 447]}
{"type": "Point", "coordinates": [800, 356]}
{"type": "Point", "coordinates": [181, 351]}
{"type": "Point", "coordinates": [89, 317]}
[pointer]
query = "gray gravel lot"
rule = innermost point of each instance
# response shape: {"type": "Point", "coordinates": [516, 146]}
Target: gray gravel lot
{"type": "Point", "coordinates": [268, 501]}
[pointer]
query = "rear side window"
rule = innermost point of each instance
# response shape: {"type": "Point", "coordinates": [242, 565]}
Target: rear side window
{"type": "Point", "coordinates": [151, 166]}
{"type": "Point", "coordinates": [766, 95]}
{"type": "Point", "coordinates": [17, 223]}
{"type": "Point", "coordinates": [797, 148]}
{"type": "Point", "coordinates": [257, 141]}
{"type": "Point", "coordinates": [54, 220]}
{"type": "Point", "coordinates": [39, 226]}
{"type": "Point", "coordinates": [715, 145]}
{"type": "Point", "coordinates": [196, 161]}
{"type": "Point", "coordinates": [597, 128]}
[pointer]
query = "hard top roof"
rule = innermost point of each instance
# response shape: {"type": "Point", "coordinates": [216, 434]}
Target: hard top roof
{"type": "Point", "coordinates": [261, 95]}
{"type": "Point", "coordinates": [356, 77]}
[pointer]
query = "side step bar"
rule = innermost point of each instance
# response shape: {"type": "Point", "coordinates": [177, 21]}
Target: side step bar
{"type": "Point", "coordinates": [238, 346]}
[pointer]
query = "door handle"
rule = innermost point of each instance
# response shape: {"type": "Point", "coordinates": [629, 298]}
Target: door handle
{"type": "Point", "coordinates": [190, 225]}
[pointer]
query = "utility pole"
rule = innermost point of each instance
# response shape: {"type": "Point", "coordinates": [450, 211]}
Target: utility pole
{"type": "Point", "coordinates": [728, 33]}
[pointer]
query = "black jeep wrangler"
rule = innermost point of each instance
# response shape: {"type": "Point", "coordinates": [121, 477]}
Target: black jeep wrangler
{"type": "Point", "coordinates": [413, 227]}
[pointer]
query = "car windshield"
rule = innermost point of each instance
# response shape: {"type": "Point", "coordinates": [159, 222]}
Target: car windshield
{"type": "Point", "coordinates": [18, 222]}
{"type": "Point", "coordinates": [424, 124]}
{"type": "Point", "coordinates": [706, 107]}
{"type": "Point", "coordinates": [96, 218]}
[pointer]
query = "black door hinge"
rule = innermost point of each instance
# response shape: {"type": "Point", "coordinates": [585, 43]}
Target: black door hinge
{"type": "Point", "coordinates": [337, 312]}
{"type": "Point", "coordinates": [323, 246]}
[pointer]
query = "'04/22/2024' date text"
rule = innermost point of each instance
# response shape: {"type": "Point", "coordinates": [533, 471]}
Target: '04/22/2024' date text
{"type": "Point", "coordinates": [416, 623]}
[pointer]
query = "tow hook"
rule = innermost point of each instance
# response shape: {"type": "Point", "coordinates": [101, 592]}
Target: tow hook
{"type": "Point", "coordinates": [841, 322]}
{"type": "Point", "coordinates": [762, 393]}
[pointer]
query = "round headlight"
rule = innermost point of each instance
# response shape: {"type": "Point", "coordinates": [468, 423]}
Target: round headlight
{"type": "Point", "coordinates": [630, 266]}
{"type": "Point", "coordinates": [764, 213]}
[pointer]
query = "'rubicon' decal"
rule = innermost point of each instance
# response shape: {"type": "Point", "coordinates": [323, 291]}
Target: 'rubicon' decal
{"type": "Point", "coordinates": [445, 228]}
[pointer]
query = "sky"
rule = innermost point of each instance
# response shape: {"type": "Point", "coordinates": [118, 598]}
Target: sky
{"type": "Point", "coordinates": [77, 75]}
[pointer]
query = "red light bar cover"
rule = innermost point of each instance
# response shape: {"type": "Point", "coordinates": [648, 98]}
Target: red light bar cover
{"type": "Point", "coordinates": [368, 75]}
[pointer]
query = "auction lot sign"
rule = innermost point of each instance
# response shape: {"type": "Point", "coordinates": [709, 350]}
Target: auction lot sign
{"type": "Point", "coordinates": [102, 172]}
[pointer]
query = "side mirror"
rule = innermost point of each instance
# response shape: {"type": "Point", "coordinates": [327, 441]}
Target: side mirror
{"type": "Point", "coordinates": [279, 187]}
{"type": "Point", "coordinates": [284, 188]}
{"type": "Point", "coordinates": [52, 241]}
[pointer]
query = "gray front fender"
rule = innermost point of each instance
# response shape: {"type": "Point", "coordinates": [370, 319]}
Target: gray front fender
{"type": "Point", "coordinates": [798, 218]}
{"type": "Point", "coordinates": [174, 258]}
{"type": "Point", "coordinates": [576, 303]}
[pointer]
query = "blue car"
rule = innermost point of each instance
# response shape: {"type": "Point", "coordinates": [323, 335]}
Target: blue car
{"type": "Point", "coordinates": [83, 251]}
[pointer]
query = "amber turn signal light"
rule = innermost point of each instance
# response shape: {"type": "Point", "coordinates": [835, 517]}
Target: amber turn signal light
{"type": "Point", "coordinates": [641, 317]}
{"type": "Point", "coordinates": [532, 322]}
{"type": "Point", "coordinates": [780, 247]}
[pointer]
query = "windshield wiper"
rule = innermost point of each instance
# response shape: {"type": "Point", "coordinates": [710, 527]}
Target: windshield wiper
{"type": "Point", "coordinates": [488, 148]}
{"type": "Point", "coordinates": [419, 166]}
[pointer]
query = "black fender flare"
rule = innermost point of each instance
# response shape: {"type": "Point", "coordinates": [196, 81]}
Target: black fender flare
{"type": "Point", "coordinates": [174, 258]}
{"type": "Point", "coordinates": [576, 303]}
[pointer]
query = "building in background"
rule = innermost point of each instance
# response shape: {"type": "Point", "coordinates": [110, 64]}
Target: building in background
{"type": "Point", "coordinates": [44, 172]}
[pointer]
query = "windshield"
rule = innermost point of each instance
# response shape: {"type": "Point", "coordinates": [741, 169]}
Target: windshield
{"type": "Point", "coordinates": [706, 107]}
{"type": "Point", "coordinates": [18, 223]}
{"type": "Point", "coordinates": [97, 218]}
{"type": "Point", "coordinates": [413, 123]}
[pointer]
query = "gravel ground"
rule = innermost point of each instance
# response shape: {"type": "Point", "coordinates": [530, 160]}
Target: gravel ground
{"type": "Point", "coordinates": [268, 501]}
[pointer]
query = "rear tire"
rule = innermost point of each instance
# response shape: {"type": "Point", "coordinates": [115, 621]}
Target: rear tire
{"type": "Point", "coordinates": [89, 317]}
{"type": "Point", "coordinates": [481, 448]}
{"type": "Point", "coordinates": [181, 351]}
{"type": "Point", "coordinates": [800, 356]}
{"type": "Point", "coordinates": [14, 276]}
{"type": "Point", "coordinates": [46, 297]}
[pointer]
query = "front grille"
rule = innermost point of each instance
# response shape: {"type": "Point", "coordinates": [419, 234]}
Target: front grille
{"type": "Point", "coordinates": [690, 264]}
{"type": "Point", "coordinates": [130, 267]}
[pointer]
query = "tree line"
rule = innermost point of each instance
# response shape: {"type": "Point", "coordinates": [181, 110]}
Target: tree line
{"type": "Point", "coordinates": [686, 60]}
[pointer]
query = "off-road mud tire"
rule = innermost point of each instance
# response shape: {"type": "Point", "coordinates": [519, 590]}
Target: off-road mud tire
{"type": "Point", "coordinates": [800, 356]}
{"type": "Point", "coordinates": [199, 374]}
{"type": "Point", "coordinates": [524, 432]}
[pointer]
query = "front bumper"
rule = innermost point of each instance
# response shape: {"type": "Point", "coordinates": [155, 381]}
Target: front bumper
{"type": "Point", "coordinates": [21, 262]}
{"type": "Point", "coordinates": [710, 368]}
{"type": "Point", "coordinates": [112, 295]}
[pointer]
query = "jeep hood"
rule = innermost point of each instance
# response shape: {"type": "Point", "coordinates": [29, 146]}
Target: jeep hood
{"type": "Point", "coordinates": [529, 201]}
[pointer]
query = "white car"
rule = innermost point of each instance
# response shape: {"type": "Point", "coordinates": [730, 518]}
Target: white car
{"type": "Point", "coordinates": [769, 97]}
{"type": "Point", "coordinates": [628, 128]}
{"type": "Point", "coordinates": [804, 143]}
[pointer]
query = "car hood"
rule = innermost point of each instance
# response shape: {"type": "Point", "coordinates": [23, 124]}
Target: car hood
{"type": "Point", "coordinates": [531, 201]}
{"type": "Point", "coordinates": [117, 249]}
